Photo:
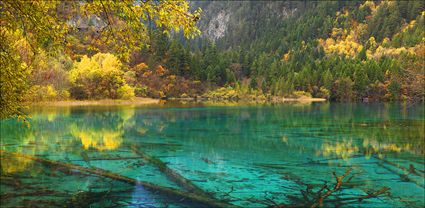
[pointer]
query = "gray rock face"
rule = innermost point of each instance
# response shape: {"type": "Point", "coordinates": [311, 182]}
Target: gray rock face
{"type": "Point", "coordinates": [217, 26]}
{"type": "Point", "coordinates": [83, 23]}
{"type": "Point", "coordinates": [220, 19]}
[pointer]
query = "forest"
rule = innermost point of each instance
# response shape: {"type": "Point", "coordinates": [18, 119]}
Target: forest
{"type": "Point", "coordinates": [337, 50]}
{"type": "Point", "coordinates": [186, 103]}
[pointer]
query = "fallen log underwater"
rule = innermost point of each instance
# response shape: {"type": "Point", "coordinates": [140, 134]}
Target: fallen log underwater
{"type": "Point", "coordinates": [170, 173]}
{"type": "Point", "coordinates": [411, 169]}
{"type": "Point", "coordinates": [180, 196]}
{"type": "Point", "coordinates": [403, 177]}
{"type": "Point", "coordinates": [194, 198]}
{"type": "Point", "coordinates": [318, 198]}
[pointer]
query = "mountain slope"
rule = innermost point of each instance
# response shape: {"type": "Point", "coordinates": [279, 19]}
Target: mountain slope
{"type": "Point", "coordinates": [339, 49]}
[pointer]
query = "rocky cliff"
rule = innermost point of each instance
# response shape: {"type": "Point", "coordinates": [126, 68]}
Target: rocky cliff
{"type": "Point", "coordinates": [233, 20]}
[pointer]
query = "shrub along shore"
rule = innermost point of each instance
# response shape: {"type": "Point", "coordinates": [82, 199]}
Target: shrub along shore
{"type": "Point", "coordinates": [103, 102]}
{"type": "Point", "coordinates": [154, 101]}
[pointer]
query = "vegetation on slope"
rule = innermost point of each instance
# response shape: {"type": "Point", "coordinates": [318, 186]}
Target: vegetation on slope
{"type": "Point", "coordinates": [338, 50]}
{"type": "Point", "coordinates": [37, 33]}
{"type": "Point", "coordinates": [344, 50]}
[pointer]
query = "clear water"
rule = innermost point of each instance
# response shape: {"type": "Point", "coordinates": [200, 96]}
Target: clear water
{"type": "Point", "coordinates": [239, 154]}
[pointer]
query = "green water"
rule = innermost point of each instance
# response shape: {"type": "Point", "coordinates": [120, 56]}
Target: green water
{"type": "Point", "coordinates": [239, 154]}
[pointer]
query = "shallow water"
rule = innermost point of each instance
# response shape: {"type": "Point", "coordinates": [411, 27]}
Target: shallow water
{"type": "Point", "coordinates": [245, 155]}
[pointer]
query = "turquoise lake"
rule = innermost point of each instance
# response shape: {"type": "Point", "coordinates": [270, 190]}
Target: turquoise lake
{"type": "Point", "coordinates": [242, 155]}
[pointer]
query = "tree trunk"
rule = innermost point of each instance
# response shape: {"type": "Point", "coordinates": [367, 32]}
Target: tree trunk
{"type": "Point", "coordinates": [192, 199]}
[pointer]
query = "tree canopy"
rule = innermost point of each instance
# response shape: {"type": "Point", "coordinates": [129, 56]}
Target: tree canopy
{"type": "Point", "coordinates": [338, 50]}
{"type": "Point", "coordinates": [27, 27]}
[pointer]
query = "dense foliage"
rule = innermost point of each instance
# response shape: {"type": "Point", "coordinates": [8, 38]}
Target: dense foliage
{"type": "Point", "coordinates": [45, 29]}
{"type": "Point", "coordinates": [344, 50]}
{"type": "Point", "coordinates": [98, 77]}
{"type": "Point", "coordinates": [338, 50]}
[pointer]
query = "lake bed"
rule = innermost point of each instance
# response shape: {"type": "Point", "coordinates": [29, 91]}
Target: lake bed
{"type": "Point", "coordinates": [241, 155]}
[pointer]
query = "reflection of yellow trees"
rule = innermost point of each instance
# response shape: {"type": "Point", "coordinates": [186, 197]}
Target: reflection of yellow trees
{"type": "Point", "coordinates": [102, 139]}
{"type": "Point", "coordinates": [126, 114]}
{"type": "Point", "coordinates": [369, 147]}
{"type": "Point", "coordinates": [104, 133]}
{"type": "Point", "coordinates": [389, 137]}
{"type": "Point", "coordinates": [100, 131]}
{"type": "Point", "coordinates": [18, 164]}
{"type": "Point", "coordinates": [374, 147]}
{"type": "Point", "coordinates": [14, 165]}
{"type": "Point", "coordinates": [343, 149]}
{"type": "Point", "coordinates": [49, 114]}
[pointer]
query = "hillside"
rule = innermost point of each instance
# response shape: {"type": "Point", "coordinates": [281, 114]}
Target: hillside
{"type": "Point", "coordinates": [344, 50]}
{"type": "Point", "coordinates": [252, 50]}
{"type": "Point", "coordinates": [212, 103]}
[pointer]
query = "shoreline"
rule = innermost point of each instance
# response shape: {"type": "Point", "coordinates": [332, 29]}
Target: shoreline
{"type": "Point", "coordinates": [302, 99]}
{"type": "Point", "coordinates": [153, 101]}
{"type": "Point", "coordinates": [273, 100]}
{"type": "Point", "coordinates": [102, 102]}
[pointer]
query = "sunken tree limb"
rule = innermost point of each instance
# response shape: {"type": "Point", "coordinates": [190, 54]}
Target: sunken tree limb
{"type": "Point", "coordinates": [170, 173]}
{"type": "Point", "coordinates": [321, 197]}
{"type": "Point", "coordinates": [411, 169]}
{"type": "Point", "coordinates": [403, 176]}
{"type": "Point", "coordinates": [180, 196]}
{"type": "Point", "coordinates": [315, 199]}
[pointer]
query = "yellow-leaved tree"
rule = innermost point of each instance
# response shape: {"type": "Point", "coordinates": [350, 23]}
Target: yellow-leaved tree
{"type": "Point", "coordinates": [99, 77]}
{"type": "Point", "coordinates": [42, 24]}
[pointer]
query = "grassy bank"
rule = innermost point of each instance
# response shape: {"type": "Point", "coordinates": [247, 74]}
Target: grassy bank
{"type": "Point", "coordinates": [267, 100]}
{"type": "Point", "coordinates": [103, 102]}
{"type": "Point", "coordinates": [153, 101]}
{"type": "Point", "coordinates": [302, 99]}
{"type": "Point", "coordinates": [255, 96]}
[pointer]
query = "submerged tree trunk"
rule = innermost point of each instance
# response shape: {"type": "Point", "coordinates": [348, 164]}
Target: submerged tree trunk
{"type": "Point", "coordinates": [403, 177]}
{"type": "Point", "coordinates": [411, 169]}
{"type": "Point", "coordinates": [170, 173]}
{"type": "Point", "coordinates": [181, 196]}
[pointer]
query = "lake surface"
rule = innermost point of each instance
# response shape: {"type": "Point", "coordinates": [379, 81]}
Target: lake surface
{"type": "Point", "coordinates": [244, 155]}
